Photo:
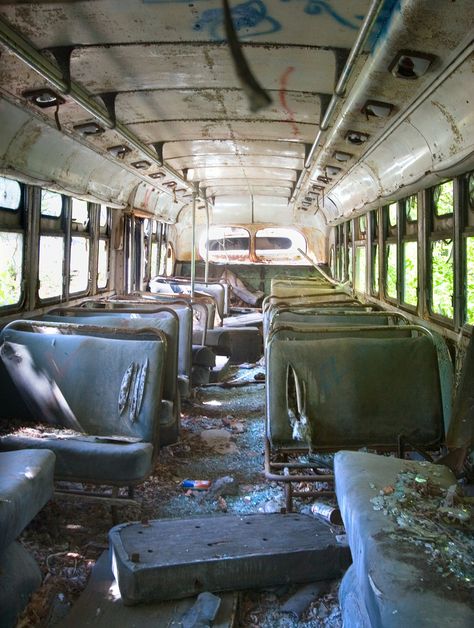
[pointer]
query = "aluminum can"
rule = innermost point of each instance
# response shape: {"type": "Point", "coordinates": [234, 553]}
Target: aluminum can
{"type": "Point", "coordinates": [196, 485]}
{"type": "Point", "coordinates": [329, 513]}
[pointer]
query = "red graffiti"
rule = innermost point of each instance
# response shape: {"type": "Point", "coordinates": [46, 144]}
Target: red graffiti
{"type": "Point", "coordinates": [282, 93]}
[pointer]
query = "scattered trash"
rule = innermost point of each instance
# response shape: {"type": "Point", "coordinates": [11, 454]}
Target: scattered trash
{"type": "Point", "coordinates": [197, 485]}
{"type": "Point", "coordinates": [271, 507]}
{"type": "Point", "coordinates": [433, 518]}
{"type": "Point", "coordinates": [342, 539]}
{"type": "Point", "coordinates": [327, 513]}
{"type": "Point", "coordinates": [299, 601]}
{"type": "Point", "coordinates": [259, 377]}
{"type": "Point", "coordinates": [203, 612]}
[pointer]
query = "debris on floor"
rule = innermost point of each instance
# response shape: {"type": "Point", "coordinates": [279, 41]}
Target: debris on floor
{"type": "Point", "coordinates": [435, 519]}
{"type": "Point", "coordinates": [75, 532]}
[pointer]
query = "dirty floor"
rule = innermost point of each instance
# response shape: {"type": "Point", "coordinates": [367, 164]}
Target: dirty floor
{"type": "Point", "coordinates": [222, 441]}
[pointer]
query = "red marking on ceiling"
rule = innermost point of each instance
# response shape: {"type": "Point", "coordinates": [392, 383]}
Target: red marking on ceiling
{"type": "Point", "coordinates": [282, 93]}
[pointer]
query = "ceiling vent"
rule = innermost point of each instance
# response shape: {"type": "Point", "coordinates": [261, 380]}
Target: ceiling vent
{"type": "Point", "coordinates": [342, 157]}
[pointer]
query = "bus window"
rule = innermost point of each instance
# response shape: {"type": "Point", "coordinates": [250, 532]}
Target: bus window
{"type": "Point", "coordinates": [468, 238]}
{"type": "Point", "coordinates": [391, 251]}
{"type": "Point", "coordinates": [374, 244]}
{"type": "Point", "coordinates": [103, 270]}
{"type": "Point", "coordinates": [410, 251]}
{"type": "Point", "coordinates": [441, 260]}
{"type": "Point", "coordinates": [278, 245]}
{"type": "Point", "coordinates": [226, 244]}
{"type": "Point", "coordinates": [80, 247]}
{"type": "Point", "coordinates": [51, 246]}
{"type": "Point", "coordinates": [11, 242]}
{"type": "Point", "coordinates": [360, 268]}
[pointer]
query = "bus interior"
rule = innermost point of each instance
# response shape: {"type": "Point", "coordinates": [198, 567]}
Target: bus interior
{"type": "Point", "coordinates": [236, 308]}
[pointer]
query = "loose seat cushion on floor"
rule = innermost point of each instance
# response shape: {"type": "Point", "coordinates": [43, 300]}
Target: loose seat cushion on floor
{"type": "Point", "coordinates": [26, 484]}
{"type": "Point", "coordinates": [392, 583]}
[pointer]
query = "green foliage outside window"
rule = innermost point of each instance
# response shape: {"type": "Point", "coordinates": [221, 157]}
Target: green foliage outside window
{"type": "Point", "coordinates": [443, 198]}
{"type": "Point", "coordinates": [391, 270]}
{"type": "Point", "coordinates": [470, 280]}
{"type": "Point", "coordinates": [411, 208]}
{"type": "Point", "coordinates": [11, 261]}
{"type": "Point", "coordinates": [392, 214]}
{"type": "Point", "coordinates": [375, 273]}
{"type": "Point", "coordinates": [442, 278]}
{"type": "Point", "coordinates": [361, 264]}
{"type": "Point", "coordinates": [410, 273]}
{"type": "Point", "coordinates": [349, 264]}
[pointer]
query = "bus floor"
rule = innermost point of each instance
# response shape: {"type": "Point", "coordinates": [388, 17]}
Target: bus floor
{"type": "Point", "coordinates": [221, 441]}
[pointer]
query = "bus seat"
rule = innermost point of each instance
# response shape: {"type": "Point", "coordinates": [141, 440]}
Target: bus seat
{"type": "Point", "coordinates": [26, 484]}
{"type": "Point", "coordinates": [94, 381]}
{"type": "Point", "coordinates": [391, 582]}
{"type": "Point", "coordinates": [359, 391]}
{"type": "Point", "coordinates": [164, 320]}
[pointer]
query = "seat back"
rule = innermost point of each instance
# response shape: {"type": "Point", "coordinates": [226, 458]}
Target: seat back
{"type": "Point", "coordinates": [164, 319]}
{"type": "Point", "coordinates": [108, 380]}
{"type": "Point", "coordinates": [354, 390]}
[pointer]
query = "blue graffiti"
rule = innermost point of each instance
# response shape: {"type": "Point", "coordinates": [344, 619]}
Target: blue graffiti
{"type": "Point", "coordinates": [250, 17]}
{"type": "Point", "coordinates": [383, 21]}
{"type": "Point", "coordinates": [316, 7]}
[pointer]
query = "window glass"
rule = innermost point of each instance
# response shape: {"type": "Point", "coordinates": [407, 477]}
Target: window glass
{"type": "Point", "coordinates": [154, 259]}
{"type": "Point", "coordinates": [226, 243]}
{"type": "Point", "coordinates": [470, 190]}
{"type": "Point", "coordinates": [391, 271]}
{"type": "Point", "coordinates": [411, 208]}
{"type": "Point", "coordinates": [51, 255]}
{"type": "Point", "coordinates": [79, 265]}
{"type": "Point", "coordinates": [361, 264]}
{"type": "Point", "coordinates": [10, 194]}
{"type": "Point", "coordinates": [104, 215]}
{"type": "Point", "coordinates": [410, 273]}
{"type": "Point", "coordinates": [280, 244]}
{"type": "Point", "coordinates": [443, 198]}
{"type": "Point", "coordinates": [442, 278]}
{"type": "Point", "coordinates": [51, 204]}
{"type": "Point", "coordinates": [470, 280]}
{"type": "Point", "coordinates": [392, 214]}
{"type": "Point", "coordinates": [11, 265]}
{"type": "Point", "coordinates": [375, 273]}
{"type": "Point", "coordinates": [103, 270]}
{"type": "Point", "coordinates": [362, 224]}
{"type": "Point", "coordinates": [80, 212]}
{"type": "Point", "coordinates": [349, 264]}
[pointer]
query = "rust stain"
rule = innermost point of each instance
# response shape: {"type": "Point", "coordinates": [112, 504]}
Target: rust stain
{"type": "Point", "coordinates": [458, 138]}
{"type": "Point", "coordinates": [282, 95]}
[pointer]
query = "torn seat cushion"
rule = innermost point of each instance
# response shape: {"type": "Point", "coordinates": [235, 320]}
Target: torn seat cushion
{"type": "Point", "coordinates": [359, 391]}
{"type": "Point", "coordinates": [392, 582]}
{"type": "Point", "coordinates": [26, 484]}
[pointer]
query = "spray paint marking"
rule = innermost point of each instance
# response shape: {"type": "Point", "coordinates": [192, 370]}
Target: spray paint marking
{"type": "Point", "coordinates": [282, 94]}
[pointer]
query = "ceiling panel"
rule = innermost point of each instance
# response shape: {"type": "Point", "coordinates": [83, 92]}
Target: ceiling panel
{"type": "Point", "coordinates": [164, 66]}
{"type": "Point", "coordinates": [310, 22]}
{"type": "Point", "coordinates": [179, 104]}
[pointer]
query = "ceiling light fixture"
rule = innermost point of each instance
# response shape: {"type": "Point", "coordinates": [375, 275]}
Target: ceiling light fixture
{"type": "Point", "coordinates": [157, 175]}
{"type": "Point", "coordinates": [141, 165]}
{"type": "Point", "coordinates": [332, 171]}
{"type": "Point", "coordinates": [339, 155]}
{"type": "Point", "coordinates": [119, 151]}
{"type": "Point", "coordinates": [43, 97]}
{"type": "Point", "coordinates": [356, 137]}
{"type": "Point", "coordinates": [410, 65]}
{"type": "Point", "coordinates": [89, 128]}
{"type": "Point", "coordinates": [377, 109]}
